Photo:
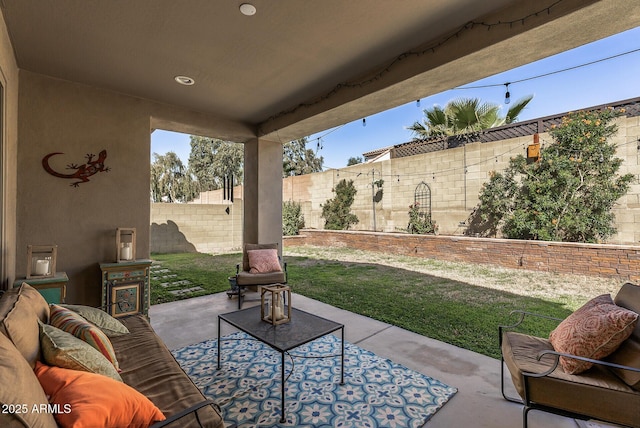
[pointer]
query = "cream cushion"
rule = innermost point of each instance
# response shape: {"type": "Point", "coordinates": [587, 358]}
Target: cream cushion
{"type": "Point", "coordinates": [105, 322]}
{"type": "Point", "coordinates": [62, 349]}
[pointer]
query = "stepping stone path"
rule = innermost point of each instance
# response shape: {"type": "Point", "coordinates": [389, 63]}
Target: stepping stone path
{"type": "Point", "coordinates": [179, 287]}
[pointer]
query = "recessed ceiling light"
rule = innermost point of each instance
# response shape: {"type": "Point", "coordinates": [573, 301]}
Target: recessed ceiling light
{"type": "Point", "coordinates": [184, 80]}
{"type": "Point", "coordinates": [247, 9]}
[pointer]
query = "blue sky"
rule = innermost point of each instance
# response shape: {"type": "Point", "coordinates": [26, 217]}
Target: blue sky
{"type": "Point", "coordinates": [606, 81]}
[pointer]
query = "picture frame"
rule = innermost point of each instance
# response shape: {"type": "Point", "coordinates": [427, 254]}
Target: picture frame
{"type": "Point", "coordinates": [125, 300]}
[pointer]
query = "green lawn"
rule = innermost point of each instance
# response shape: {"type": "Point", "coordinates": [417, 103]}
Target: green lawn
{"type": "Point", "coordinates": [456, 311]}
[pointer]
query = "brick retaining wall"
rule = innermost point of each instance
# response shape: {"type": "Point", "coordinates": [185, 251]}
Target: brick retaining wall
{"type": "Point", "coordinates": [620, 261]}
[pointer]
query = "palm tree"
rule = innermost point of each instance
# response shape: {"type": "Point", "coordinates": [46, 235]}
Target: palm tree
{"type": "Point", "coordinates": [464, 116]}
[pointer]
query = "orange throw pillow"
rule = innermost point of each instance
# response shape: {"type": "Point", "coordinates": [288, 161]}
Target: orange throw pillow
{"type": "Point", "coordinates": [593, 331]}
{"type": "Point", "coordinates": [89, 400]}
{"type": "Point", "coordinates": [264, 261]}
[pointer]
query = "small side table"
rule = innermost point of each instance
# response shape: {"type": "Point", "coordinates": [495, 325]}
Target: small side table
{"type": "Point", "coordinates": [125, 287]}
{"type": "Point", "coordinates": [53, 288]}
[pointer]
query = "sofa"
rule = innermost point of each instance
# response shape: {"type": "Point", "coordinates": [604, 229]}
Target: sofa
{"type": "Point", "coordinates": [58, 376]}
{"type": "Point", "coordinates": [589, 367]}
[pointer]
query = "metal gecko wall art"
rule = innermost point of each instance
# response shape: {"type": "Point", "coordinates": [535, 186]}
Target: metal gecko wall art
{"type": "Point", "coordinates": [82, 172]}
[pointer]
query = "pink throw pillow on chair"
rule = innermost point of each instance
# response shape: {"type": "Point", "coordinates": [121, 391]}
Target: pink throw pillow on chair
{"type": "Point", "coordinates": [264, 261]}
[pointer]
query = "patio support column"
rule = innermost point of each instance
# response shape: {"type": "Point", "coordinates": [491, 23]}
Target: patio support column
{"type": "Point", "coordinates": [262, 192]}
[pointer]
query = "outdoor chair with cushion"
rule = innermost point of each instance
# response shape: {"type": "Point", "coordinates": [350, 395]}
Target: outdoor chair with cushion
{"type": "Point", "coordinates": [261, 265]}
{"type": "Point", "coordinates": [588, 368]}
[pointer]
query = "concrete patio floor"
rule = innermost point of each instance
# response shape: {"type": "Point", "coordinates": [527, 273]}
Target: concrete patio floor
{"type": "Point", "coordinates": [478, 402]}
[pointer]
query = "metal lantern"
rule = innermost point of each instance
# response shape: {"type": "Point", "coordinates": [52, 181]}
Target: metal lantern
{"type": "Point", "coordinates": [125, 244]}
{"type": "Point", "coordinates": [41, 261]}
{"type": "Point", "coordinates": [275, 304]}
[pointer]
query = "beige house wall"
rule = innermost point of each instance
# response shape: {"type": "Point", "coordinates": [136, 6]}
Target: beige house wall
{"type": "Point", "coordinates": [76, 119]}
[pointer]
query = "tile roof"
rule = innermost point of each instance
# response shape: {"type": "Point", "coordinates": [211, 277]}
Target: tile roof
{"type": "Point", "coordinates": [514, 130]}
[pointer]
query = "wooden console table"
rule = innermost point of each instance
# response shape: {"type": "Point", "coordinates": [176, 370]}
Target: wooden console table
{"type": "Point", "coordinates": [53, 288]}
{"type": "Point", "coordinates": [125, 287]}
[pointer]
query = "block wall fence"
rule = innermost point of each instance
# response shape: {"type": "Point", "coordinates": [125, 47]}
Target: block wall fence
{"type": "Point", "coordinates": [203, 228]}
{"type": "Point", "coordinates": [454, 177]}
{"type": "Point", "coordinates": [616, 261]}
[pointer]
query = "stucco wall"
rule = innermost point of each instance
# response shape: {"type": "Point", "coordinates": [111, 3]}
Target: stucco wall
{"type": "Point", "coordinates": [75, 119]}
{"type": "Point", "coordinates": [205, 228]}
{"type": "Point", "coordinates": [8, 157]}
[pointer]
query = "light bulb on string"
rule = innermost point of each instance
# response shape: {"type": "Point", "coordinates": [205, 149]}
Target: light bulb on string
{"type": "Point", "coordinates": [507, 95]}
{"type": "Point", "coordinates": [364, 121]}
{"type": "Point", "coordinates": [418, 102]}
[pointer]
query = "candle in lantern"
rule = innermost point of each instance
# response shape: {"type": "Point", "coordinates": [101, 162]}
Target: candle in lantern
{"type": "Point", "coordinates": [125, 251]}
{"type": "Point", "coordinates": [42, 267]}
{"type": "Point", "coordinates": [278, 309]}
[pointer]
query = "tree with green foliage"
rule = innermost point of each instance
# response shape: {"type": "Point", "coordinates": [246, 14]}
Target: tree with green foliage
{"type": "Point", "coordinates": [464, 116]}
{"type": "Point", "coordinates": [292, 218]}
{"type": "Point", "coordinates": [337, 211]}
{"type": "Point", "coordinates": [298, 160]}
{"type": "Point", "coordinates": [170, 180]}
{"type": "Point", "coordinates": [355, 160]}
{"type": "Point", "coordinates": [210, 160]}
{"type": "Point", "coordinates": [568, 194]}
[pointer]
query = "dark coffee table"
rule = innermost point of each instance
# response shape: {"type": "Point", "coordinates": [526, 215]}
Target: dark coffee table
{"type": "Point", "coordinates": [303, 328]}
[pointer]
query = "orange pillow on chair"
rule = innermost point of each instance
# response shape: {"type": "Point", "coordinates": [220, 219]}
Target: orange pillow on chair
{"type": "Point", "coordinates": [593, 331]}
{"type": "Point", "coordinates": [264, 261]}
{"type": "Point", "coordinates": [88, 400]}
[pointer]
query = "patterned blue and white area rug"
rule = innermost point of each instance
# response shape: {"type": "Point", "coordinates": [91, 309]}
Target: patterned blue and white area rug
{"type": "Point", "coordinates": [377, 392]}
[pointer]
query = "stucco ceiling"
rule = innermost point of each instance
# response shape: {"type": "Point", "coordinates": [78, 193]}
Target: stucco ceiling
{"type": "Point", "coordinates": [297, 66]}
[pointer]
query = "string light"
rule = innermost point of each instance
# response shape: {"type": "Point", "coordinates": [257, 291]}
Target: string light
{"type": "Point", "coordinates": [507, 95]}
{"type": "Point", "coordinates": [464, 168]}
{"type": "Point", "coordinates": [364, 121]}
{"type": "Point", "coordinates": [418, 103]}
{"type": "Point", "coordinates": [538, 76]}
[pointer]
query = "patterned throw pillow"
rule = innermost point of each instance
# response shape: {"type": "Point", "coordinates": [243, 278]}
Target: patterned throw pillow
{"type": "Point", "coordinates": [594, 331]}
{"type": "Point", "coordinates": [62, 349]}
{"type": "Point", "coordinates": [69, 321]}
{"type": "Point", "coordinates": [264, 261]}
{"type": "Point", "coordinates": [105, 322]}
{"type": "Point", "coordinates": [91, 400]}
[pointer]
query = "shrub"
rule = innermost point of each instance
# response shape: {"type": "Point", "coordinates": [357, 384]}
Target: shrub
{"type": "Point", "coordinates": [566, 195]}
{"type": "Point", "coordinates": [292, 218]}
{"type": "Point", "coordinates": [419, 222]}
{"type": "Point", "coordinates": [337, 211]}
